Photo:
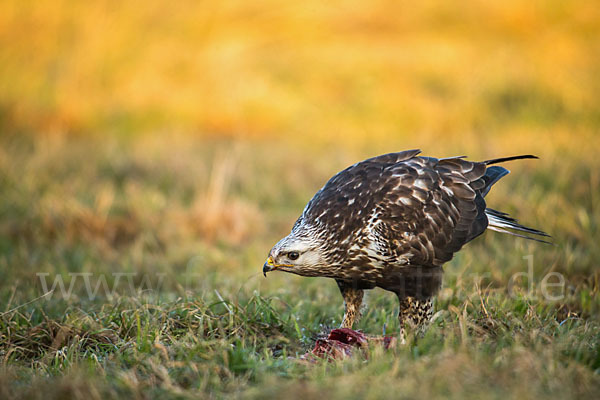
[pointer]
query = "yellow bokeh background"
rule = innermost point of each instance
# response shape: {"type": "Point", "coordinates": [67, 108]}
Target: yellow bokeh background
{"type": "Point", "coordinates": [437, 70]}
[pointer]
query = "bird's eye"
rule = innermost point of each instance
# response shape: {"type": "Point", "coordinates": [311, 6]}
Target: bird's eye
{"type": "Point", "coordinates": [293, 255]}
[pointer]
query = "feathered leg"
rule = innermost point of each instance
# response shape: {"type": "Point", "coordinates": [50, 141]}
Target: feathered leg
{"type": "Point", "coordinates": [352, 301]}
{"type": "Point", "coordinates": [414, 314]}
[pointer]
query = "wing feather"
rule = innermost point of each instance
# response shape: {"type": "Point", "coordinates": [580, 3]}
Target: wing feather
{"type": "Point", "coordinates": [442, 212]}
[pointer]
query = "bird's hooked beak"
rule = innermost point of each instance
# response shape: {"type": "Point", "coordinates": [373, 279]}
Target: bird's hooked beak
{"type": "Point", "coordinates": [269, 265]}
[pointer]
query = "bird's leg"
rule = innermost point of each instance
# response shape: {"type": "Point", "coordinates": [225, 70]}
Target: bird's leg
{"type": "Point", "coordinates": [352, 301]}
{"type": "Point", "coordinates": [414, 314]}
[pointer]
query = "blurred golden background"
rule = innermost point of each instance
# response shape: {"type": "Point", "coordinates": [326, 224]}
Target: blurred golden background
{"type": "Point", "coordinates": [509, 73]}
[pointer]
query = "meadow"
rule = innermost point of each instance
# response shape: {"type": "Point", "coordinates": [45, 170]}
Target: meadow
{"type": "Point", "coordinates": [150, 156]}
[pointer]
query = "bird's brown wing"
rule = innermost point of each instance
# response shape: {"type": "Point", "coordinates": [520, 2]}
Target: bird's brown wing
{"type": "Point", "coordinates": [399, 209]}
{"type": "Point", "coordinates": [342, 204]}
{"type": "Point", "coordinates": [430, 209]}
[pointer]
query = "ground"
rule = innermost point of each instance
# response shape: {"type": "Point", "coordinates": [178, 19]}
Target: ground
{"type": "Point", "coordinates": [192, 315]}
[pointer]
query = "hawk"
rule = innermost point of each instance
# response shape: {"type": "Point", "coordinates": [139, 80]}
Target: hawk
{"type": "Point", "coordinates": [392, 221]}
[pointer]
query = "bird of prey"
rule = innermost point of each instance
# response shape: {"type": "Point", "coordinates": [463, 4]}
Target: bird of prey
{"type": "Point", "coordinates": [392, 221]}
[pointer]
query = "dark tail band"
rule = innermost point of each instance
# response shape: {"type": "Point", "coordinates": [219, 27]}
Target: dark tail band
{"type": "Point", "coordinates": [502, 159]}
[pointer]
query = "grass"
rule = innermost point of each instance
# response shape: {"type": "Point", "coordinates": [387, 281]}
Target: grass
{"type": "Point", "coordinates": [177, 305]}
{"type": "Point", "coordinates": [151, 156]}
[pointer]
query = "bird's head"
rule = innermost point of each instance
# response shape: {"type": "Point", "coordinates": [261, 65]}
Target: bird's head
{"type": "Point", "coordinates": [297, 253]}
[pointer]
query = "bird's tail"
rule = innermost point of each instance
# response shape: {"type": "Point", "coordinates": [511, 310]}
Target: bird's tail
{"type": "Point", "coordinates": [497, 220]}
{"type": "Point", "coordinates": [502, 222]}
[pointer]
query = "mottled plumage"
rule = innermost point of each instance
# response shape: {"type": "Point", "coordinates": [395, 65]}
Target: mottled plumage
{"type": "Point", "coordinates": [392, 221]}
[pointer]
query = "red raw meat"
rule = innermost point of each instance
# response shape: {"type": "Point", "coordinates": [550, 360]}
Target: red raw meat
{"type": "Point", "coordinates": [341, 342]}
